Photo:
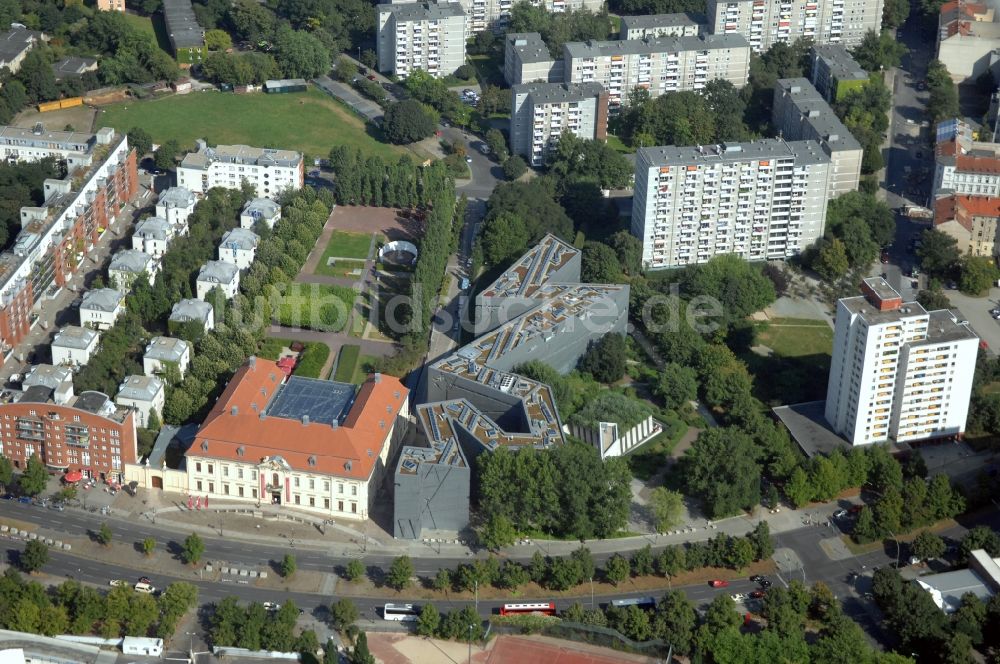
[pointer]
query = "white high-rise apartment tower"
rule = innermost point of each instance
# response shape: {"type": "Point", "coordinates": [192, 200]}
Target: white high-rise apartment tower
{"type": "Point", "coordinates": [899, 372]}
{"type": "Point", "coordinates": [421, 35]}
{"type": "Point", "coordinates": [764, 22]}
{"type": "Point", "coordinates": [760, 200]}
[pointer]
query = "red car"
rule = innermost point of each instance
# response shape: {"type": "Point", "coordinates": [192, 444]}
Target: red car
{"type": "Point", "coordinates": [371, 77]}
{"type": "Point", "coordinates": [757, 594]}
{"type": "Point", "coordinates": [718, 583]}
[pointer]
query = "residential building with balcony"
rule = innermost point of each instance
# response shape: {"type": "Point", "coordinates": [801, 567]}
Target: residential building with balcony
{"type": "Point", "coordinates": [269, 171]}
{"type": "Point", "coordinates": [898, 371]}
{"type": "Point", "coordinates": [315, 445]}
{"type": "Point", "coordinates": [73, 148]}
{"type": "Point", "coordinates": [192, 311]}
{"type": "Point", "coordinates": [152, 236]}
{"type": "Point", "coordinates": [260, 209]}
{"type": "Point", "coordinates": [218, 274]}
{"type": "Point", "coordinates": [126, 266]}
{"type": "Point", "coordinates": [527, 60]}
{"type": "Point", "coordinates": [175, 205]}
{"type": "Point", "coordinates": [73, 346]}
{"type": "Point", "coordinates": [658, 65]}
{"type": "Point", "coordinates": [239, 247]}
{"type": "Point", "coordinates": [145, 395]}
{"type": "Point", "coordinates": [687, 24]}
{"type": "Point", "coordinates": [88, 433]}
{"type": "Point", "coordinates": [15, 44]}
{"type": "Point", "coordinates": [56, 236]}
{"type": "Point", "coordinates": [765, 22]}
{"type": "Point", "coordinates": [972, 221]}
{"type": "Point", "coordinates": [495, 14]}
{"type": "Point", "coordinates": [164, 351]}
{"type": "Point", "coordinates": [835, 72]}
{"type": "Point", "coordinates": [421, 35]}
{"type": "Point", "coordinates": [101, 307]}
{"type": "Point", "coordinates": [541, 112]}
{"type": "Point", "coordinates": [801, 114]}
{"type": "Point", "coordinates": [760, 200]}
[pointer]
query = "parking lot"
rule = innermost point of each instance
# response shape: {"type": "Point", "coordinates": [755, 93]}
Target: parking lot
{"type": "Point", "coordinates": [976, 310]}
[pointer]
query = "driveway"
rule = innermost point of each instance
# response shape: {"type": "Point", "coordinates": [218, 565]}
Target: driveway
{"type": "Point", "coordinates": [976, 310]}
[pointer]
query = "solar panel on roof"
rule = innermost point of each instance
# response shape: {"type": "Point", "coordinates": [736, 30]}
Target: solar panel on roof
{"type": "Point", "coordinates": [322, 401]}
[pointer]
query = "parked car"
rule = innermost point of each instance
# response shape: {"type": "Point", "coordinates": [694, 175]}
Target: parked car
{"type": "Point", "coordinates": [757, 594]}
{"type": "Point", "coordinates": [756, 577]}
{"type": "Point", "coordinates": [145, 588]}
{"type": "Point", "coordinates": [765, 584]}
{"type": "Point", "coordinates": [25, 500]}
{"type": "Point", "coordinates": [115, 583]}
{"type": "Point", "coordinates": [718, 583]}
{"type": "Point", "coordinates": [738, 597]}
{"type": "Point", "coordinates": [271, 606]}
{"type": "Point", "coordinates": [468, 160]}
{"type": "Point", "coordinates": [840, 514]}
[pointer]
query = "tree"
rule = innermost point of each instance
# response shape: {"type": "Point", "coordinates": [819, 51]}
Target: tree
{"type": "Point", "coordinates": [980, 537]}
{"type": "Point", "coordinates": [606, 358]}
{"type": "Point", "coordinates": [600, 264]}
{"type": "Point", "coordinates": [140, 139]}
{"type": "Point", "coordinates": [429, 620]}
{"type": "Point", "coordinates": [617, 569]}
{"type": "Point", "coordinates": [677, 385]}
{"type": "Point", "coordinates": [514, 167]}
{"type": "Point", "coordinates": [895, 13]}
{"type": "Point", "coordinates": [578, 159]}
{"type": "Point", "coordinates": [933, 299]}
{"type": "Point", "coordinates": [300, 54]}
{"type": "Point", "coordinates": [864, 528]}
{"type": "Point", "coordinates": [192, 549]}
{"type": "Point", "coordinates": [504, 237]}
{"type": "Point", "coordinates": [218, 40]}
{"type": "Point", "coordinates": [104, 535]}
{"type": "Point", "coordinates": [166, 155]}
{"type": "Point", "coordinates": [977, 274]}
{"type": "Point", "coordinates": [496, 142]}
{"type": "Point", "coordinates": [399, 573]}
{"type": "Point", "coordinates": [668, 508]}
{"type": "Point", "coordinates": [928, 546]}
{"type": "Point", "coordinates": [343, 612]}
{"type": "Point", "coordinates": [361, 654]}
{"type": "Point", "coordinates": [676, 620]}
{"type": "Point", "coordinates": [879, 51]}
{"type": "Point", "coordinates": [148, 546]}
{"type": "Point", "coordinates": [34, 556]}
{"type": "Point", "coordinates": [354, 571]}
{"type": "Point", "coordinates": [629, 250]}
{"type": "Point", "coordinates": [943, 94]}
{"type": "Point", "coordinates": [721, 469]}
{"type": "Point", "coordinates": [642, 561]}
{"type": "Point", "coordinates": [408, 121]}
{"type": "Point", "coordinates": [32, 482]}
{"type": "Point", "coordinates": [938, 253]}
{"type": "Point", "coordinates": [288, 565]}
{"type": "Point", "coordinates": [831, 260]}
{"type": "Point", "coordinates": [497, 532]}
{"type": "Point", "coordinates": [442, 580]}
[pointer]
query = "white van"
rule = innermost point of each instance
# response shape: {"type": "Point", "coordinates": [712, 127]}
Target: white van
{"type": "Point", "coordinates": [144, 588]}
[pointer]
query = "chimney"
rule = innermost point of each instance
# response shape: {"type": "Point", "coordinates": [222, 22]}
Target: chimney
{"type": "Point", "coordinates": [252, 361]}
{"type": "Point", "coordinates": [305, 420]}
{"type": "Point", "coordinates": [234, 411]}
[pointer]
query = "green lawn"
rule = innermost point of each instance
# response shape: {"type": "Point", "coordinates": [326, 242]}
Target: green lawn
{"type": "Point", "coordinates": [795, 337]}
{"type": "Point", "coordinates": [315, 307]}
{"type": "Point", "coordinates": [347, 363]}
{"type": "Point", "coordinates": [343, 244]}
{"type": "Point", "coordinates": [617, 145]}
{"type": "Point", "coordinates": [309, 122]}
{"type": "Point", "coordinates": [800, 362]}
{"type": "Point", "coordinates": [489, 68]}
{"type": "Point", "coordinates": [153, 27]}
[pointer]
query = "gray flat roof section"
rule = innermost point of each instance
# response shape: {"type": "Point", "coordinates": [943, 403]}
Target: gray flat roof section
{"type": "Point", "coordinates": [182, 26]}
{"type": "Point", "coordinates": [323, 401]}
{"type": "Point", "coordinates": [654, 21]}
{"type": "Point", "coordinates": [558, 93]}
{"type": "Point", "coordinates": [838, 59]}
{"type": "Point", "coordinates": [804, 152]}
{"type": "Point", "coordinates": [595, 49]}
{"type": "Point", "coordinates": [814, 109]}
{"type": "Point", "coordinates": [807, 424]}
{"type": "Point", "coordinates": [952, 585]}
{"type": "Point", "coordinates": [423, 11]}
{"type": "Point", "coordinates": [530, 47]}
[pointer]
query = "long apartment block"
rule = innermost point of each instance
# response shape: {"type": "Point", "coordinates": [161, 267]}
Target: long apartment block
{"type": "Point", "coordinates": [495, 14]}
{"type": "Point", "coordinates": [663, 64]}
{"type": "Point", "coordinates": [765, 22]}
{"type": "Point", "coordinates": [760, 200]}
{"type": "Point", "coordinates": [21, 144]}
{"type": "Point", "coordinates": [688, 24]}
{"type": "Point", "coordinates": [800, 113]}
{"type": "Point", "coordinates": [57, 235]}
{"type": "Point", "coordinates": [421, 35]}
{"type": "Point", "coordinates": [898, 371]}
{"type": "Point", "coordinates": [540, 112]}
{"type": "Point", "coordinates": [270, 171]}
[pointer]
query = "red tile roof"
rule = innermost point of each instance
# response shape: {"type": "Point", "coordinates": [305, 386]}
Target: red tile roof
{"type": "Point", "coordinates": [963, 208]}
{"type": "Point", "coordinates": [234, 430]}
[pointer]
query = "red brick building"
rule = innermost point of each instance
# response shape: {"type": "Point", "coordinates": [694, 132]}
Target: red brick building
{"type": "Point", "coordinates": [88, 433]}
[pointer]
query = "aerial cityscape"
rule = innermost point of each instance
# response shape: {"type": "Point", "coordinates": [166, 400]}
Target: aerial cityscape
{"type": "Point", "coordinates": [500, 331]}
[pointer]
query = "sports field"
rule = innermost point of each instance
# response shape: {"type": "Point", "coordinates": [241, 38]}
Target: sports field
{"type": "Point", "coordinates": [309, 122]}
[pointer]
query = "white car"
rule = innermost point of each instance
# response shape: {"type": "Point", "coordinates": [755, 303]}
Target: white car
{"type": "Point", "coordinates": [738, 597]}
{"type": "Point", "coordinates": [115, 583]}
{"type": "Point", "coordinates": [271, 606]}
{"type": "Point", "coordinates": [840, 514]}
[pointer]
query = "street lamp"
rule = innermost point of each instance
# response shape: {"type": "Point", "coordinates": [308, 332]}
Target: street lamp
{"type": "Point", "coordinates": [191, 636]}
{"type": "Point", "coordinates": [470, 644]}
{"type": "Point", "coordinates": [591, 593]}
{"type": "Point", "coordinates": [476, 586]}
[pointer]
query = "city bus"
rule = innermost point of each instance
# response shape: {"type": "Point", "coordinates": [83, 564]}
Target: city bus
{"type": "Point", "coordinates": [540, 608]}
{"type": "Point", "coordinates": [403, 612]}
{"type": "Point", "coordinates": [645, 603]}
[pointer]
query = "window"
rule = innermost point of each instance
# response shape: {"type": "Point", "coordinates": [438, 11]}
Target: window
{"type": "Point", "coordinates": [211, 469]}
{"type": "Point", "coordinates": [326, 503]}
{"type": "Point", "coordinates": [253, 475]}
{"type": "Point", "coordinates": [274, 479]}
{"type": "Point", "coordinates": [296, 499]}
{"type": "Point", "coordinates": [326, 486]}
{"type": "Point", "coordinates": [296, 482]}
{"type": "Point", "coordinates": [340, 487]}
{"type": "Point", "coordinates": [354, 489]}
{"type": "Point", "coordinates": [340, 505]}
{"type": "Point", "coordinates": [239, 473]}
{"type": "Point", "coordinates": [312, 502]}
{"type": "Point", "coordinates": [312, 484]}
{"type": "Point", "coordinates": [197, 467]}
{"type": "Point", "coordinates": [239, 491]}
{"type": "Point", "coordinates": [253, 492]}
{"type": "Point", "coordinates": [225, 471]}
{"type": "Point", "coordinates": [211, 487]}
{"type": "Point", "coordinates": [197, 485]}
{"type": "Point", "coordinates": [225, 489]}
{"type": "Point", "coordinates": [354, 508]}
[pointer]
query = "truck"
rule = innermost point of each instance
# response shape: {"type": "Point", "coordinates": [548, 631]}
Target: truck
{"type": "Point", "coordinates": [917, 212]}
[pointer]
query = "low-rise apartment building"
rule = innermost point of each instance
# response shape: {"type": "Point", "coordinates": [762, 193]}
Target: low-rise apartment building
{"type": "Point", "coordinates": [898, 372]}
{"type": "Point", "coordinates": [260, 209]}
{"type": "Point", "coordinates": [152, 236]}
{"type": "Point", "coordinates": [658, 65]}
{"type": "Point", "coordinates": [541, 112]}
{"type": "Point", "coordinates": [421, 35]}
{"type": "Point", "coordinates": [127, 265]}
{"type": "Point", "coordinates": [687, 24]}
{"type": "Point", "coordinates": [175, 205]}
{"type": "Point", "coordinates": [190, 310]}
{"type": "Point", "coordinates": [143, 394]}
{"type": "Point", "coordinates": [527, 60]}
{"type": "Point", "coordinates": [218, 274]}
{"type": "Point", "coordinates": [73, 346]}
{"type": "Point", "coordinates": [101, 307]}
{"type": "Point", "coordinates": [963, 165]}
{"type": "Point", "coordinates": [75, 149]}
{"type": "Point", "coordinates": [766, 22]}
{"type": "Point", "coordinates": [971, 220]}
{"type": "Point", "coordinates": [760, 200]}
{"type": "Point", "coordinates": [801, 114]}
{"type": "Point", "coordinates": [15, 44]}
{"type": "Point", "coordinates": [315, 445]}
{"type": "Point", "coordinates": [269, 171]}
{"type": "Point", "coordinates": [239, 247]}
{"type": "Point", "coordinates": [86, 433]}
{"type": "Point", "coordinates": [835, 72]}
{"type": "Point", "coordinates": [164, 351]}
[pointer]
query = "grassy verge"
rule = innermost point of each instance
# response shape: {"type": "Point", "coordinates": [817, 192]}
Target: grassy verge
{"type": "Point", "coordinates": [647, 459]}
{"type": "Point", "coordinates": [315, 307]}
{"type": "Point", "coordinates": [799, 361]}
{"type": "Point", "coordinates": [352, 246]}
{"type": "Point", "coordinates": [618, 145]}
{"type": "Point", "coordinates": [347, 363]}
{"type": "Point", "coordinates": [309, 122]}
